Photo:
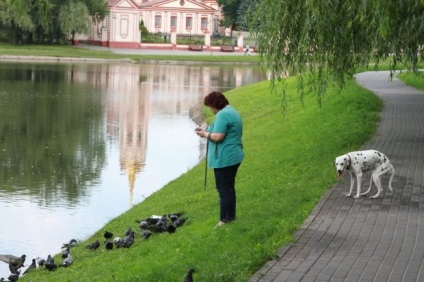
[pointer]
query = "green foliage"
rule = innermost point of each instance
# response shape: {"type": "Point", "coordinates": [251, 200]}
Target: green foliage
{"type": "Point", "coordinates": [415, 80]}
{"type": "Point", "coordinates": [333, 38]}
{"type": "Point", "coordinates": [74, 18]}
{"type": "Point", "coordinates": [288, 167]}
{"type": "Point", "coordinates": [39, 20]}
{"type": "Point", "coordinates": [230, 10]}
{"type": "Point", "coordinates": [143, 30]}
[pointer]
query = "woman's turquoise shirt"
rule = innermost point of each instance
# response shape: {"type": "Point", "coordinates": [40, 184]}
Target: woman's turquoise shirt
{"type": "Point", "coordinates": [229, 151]}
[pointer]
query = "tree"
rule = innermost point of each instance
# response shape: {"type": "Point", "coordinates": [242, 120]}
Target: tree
{"type": "Point", "coordinates": [15, 17]}
{"type": "Point", "coordinates": [230, 9]}
{"type": "Point", "coordinates": [336, 37]}
{"type": "Point", "coordinates": [74, 18]}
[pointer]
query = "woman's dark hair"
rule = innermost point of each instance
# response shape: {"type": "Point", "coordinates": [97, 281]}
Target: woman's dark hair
{"type": "Point", "coordinates": [215, 100]}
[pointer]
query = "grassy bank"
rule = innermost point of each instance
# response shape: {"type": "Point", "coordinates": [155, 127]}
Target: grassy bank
{"type": "Point", "coordinates": [288, 167]}
{"type": "Point", "coordinates": [80, 52]}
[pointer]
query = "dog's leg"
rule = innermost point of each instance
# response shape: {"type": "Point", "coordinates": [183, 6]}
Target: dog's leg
{"type": "Point", "coordinates": [358, 184]}
{"type": "Point", "coordinates": [376, 178]}
{"type": "Point", "coordinates": [391, 177]}
{"type": "Point", "coordinates": [352, 182]}
{"type": "Point", "coordinates": [369, 189]}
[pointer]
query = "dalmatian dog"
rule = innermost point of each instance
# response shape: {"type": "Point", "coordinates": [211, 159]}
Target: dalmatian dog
{"type": "Point", "coordinates": [359, 162]}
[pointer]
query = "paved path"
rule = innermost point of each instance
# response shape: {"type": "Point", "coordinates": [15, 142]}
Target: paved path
{"type": "Point", "coordinates": [368, 240]}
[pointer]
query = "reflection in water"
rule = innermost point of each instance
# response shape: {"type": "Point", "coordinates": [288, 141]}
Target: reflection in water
{"type": "Point", "coordinates": [81, 143]}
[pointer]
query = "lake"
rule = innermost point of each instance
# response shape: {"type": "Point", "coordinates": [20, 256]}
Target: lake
{"type": "Point", "coordinates": [81, 143]}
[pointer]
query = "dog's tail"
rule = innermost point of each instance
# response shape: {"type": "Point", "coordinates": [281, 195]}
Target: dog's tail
{"type": "Point", "coordinates": [391, 178]}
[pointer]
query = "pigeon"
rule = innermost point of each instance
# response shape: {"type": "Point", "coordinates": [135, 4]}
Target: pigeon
{"type": "Point", "coordinates": [145, 234]}
{"type": "Point", "coordinates": [174, 216]}
{"type": "Point", "coordinates": [49, 259]}
{"type": "Point", "coordinates": [17, 262]}
{"type": "Point", "coordinates": [49, 264]}
{"type": "Point", "coordinates": [108, 235]}
{"type": "Point", "coordinates": [127, 232]}
{"type": "Point", "coordinates": [67, 261]}
{"type": "Point", "coordinates": [171, 229]}
{"type": "Point", "coordinates": [14, 262]}
{"type": "Point", "coordinates": [127, 241]}
{"type": "Point", "coordinates": [189, 275]}
{"type": "Point", "coordinates": [143, 224]}
{"type": "Point", "coordinates": [93, 246]}
{"type": "Point", "coordinates": [32, 266]}
{"type": "Point", "coordinates": [40, 262]}
{"type": "Point", "coordinates": [13, 277]}
{"type": "Point", "coordinates": [179, 222]}
{"type": "Point", "coordinates": [117, 240]}
{"type": "Point", "coordinates": [65, 252]}
{"type": "Point", "coordinates": [108, 245]}
{"type": "Point", "coordinates": [72, 243]}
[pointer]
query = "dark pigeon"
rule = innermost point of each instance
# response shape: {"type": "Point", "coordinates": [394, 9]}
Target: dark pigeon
{"type": "Point", "coordinates": [93, 246]}
{"type": "Point", "coordinates": [66, 252]}
{"type": "Point", "coordinates": [108, 245]}
{"type": "Point", "coordinates": [13, 277]}
{"type": "Point", "coordinates": [108, 235]}
{"type": "Point", "coordinates": [49, 264]}
{"type": "Point", "coordinates": [32, 266]}
{"type": "Point", "coordinates": [189, 275]}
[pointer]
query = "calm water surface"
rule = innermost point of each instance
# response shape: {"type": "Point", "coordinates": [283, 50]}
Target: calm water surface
{"type": "Point", "coordinates": [82, 143]}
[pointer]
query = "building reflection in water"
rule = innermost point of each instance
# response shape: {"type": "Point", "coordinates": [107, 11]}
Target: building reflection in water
{"type": "Point", "coordinates": [136, 92]}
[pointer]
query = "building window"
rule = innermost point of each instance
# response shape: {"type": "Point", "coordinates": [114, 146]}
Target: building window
{"type": "Point", "coordinates": [158, 21]}
{"type": "Point", "coordinates": [174, 22]}
{"type": "Point", "coordinates": [189, 23]}
{"type": "Point", "coordinates": [215, 24]}
{"type": "Point", "coordinates": [204, 23]}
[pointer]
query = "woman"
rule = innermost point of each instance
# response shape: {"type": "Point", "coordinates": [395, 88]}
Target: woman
{"type": "Point", "coordinates": [225, 151]}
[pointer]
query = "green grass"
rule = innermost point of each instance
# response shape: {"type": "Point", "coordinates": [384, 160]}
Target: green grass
{"type": "Point", "coordinates": [412, 79]}
{"type": "Point", "coordinates": [79, 52]}
{"type": "Point", "coordinates": [287, 169]}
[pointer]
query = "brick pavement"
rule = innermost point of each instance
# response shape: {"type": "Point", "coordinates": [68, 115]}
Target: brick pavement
{"type": "Point", "coordinates": [346, 239]}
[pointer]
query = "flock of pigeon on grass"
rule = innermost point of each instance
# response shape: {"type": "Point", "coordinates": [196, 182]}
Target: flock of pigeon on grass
{"type": "Point", "coordinates": [154, 224]}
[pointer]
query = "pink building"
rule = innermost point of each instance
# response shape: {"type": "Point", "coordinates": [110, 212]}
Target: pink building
{"type": "Point", "coordinates": [169, 17]}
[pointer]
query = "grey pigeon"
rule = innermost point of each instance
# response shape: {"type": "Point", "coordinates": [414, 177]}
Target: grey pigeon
{"type": "Point", "coordinates": [49, 259]}
{"type": "Point", "coordinates": [67, 261]}
{"type": "Point", "coordinates": [117, 240]}
{"type": "Point", "coordinates": [93, 246]}
{"type": "Point", "coordinates": [145, 234]}
{"type": "Point", "coordinates": [174, 216]}
{"type": "Point", "coordinates": [40, 262]}
{"type": "Point", "coordinates": [66, 252]}
{"type": "Point", "coordinates": [17, 262]}
{"type": "Point", "coordinates": [72, 243]}
{"type": "Point", "coordinates": [127, 241]}
{"type": "Point", "coordinates": [189, 275]}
